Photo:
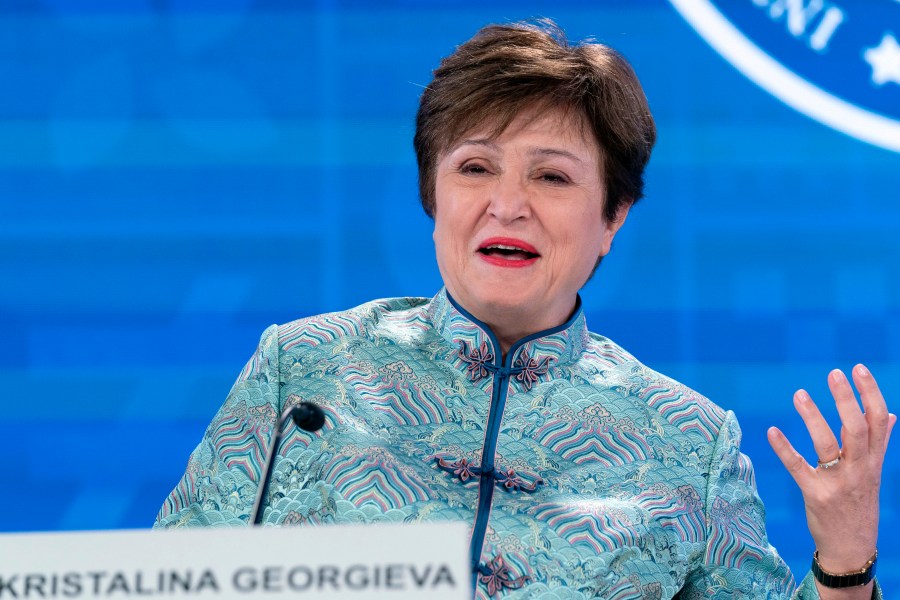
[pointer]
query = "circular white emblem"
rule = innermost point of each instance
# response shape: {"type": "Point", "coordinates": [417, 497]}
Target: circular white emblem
{"type": "Point", "coordinates": [837, 61]}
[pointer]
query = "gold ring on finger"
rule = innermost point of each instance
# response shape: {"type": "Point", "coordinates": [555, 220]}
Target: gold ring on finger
{"type": "Point", "coordinates": [831, 463]}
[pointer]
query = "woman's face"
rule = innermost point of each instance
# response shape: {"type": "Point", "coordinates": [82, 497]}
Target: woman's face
{"type": "Point", "coordinates": [519, 219]}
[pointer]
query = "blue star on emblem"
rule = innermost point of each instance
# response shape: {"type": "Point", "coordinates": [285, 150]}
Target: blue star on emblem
{"type": "Point", "coordinates": [884, 60]}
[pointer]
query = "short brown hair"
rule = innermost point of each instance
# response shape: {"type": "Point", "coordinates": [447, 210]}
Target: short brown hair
{"type": "Point", "coordinates": [505, 68]}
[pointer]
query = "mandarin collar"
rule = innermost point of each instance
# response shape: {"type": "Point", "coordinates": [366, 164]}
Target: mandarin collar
{"type": "Point", "coordinates": [561, 345]}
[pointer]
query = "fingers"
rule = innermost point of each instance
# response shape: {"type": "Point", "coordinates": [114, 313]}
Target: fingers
{"type": "Point", "coordinates": [876, 412]}
{"type": "Point", "coordinates": [823, 439]}
{"type": "Point", "coordinates": [795, 464]}
{"type": "Point", "coordinates": [855, 434]}
{"type": "Point", "coordinates": [862, 433]}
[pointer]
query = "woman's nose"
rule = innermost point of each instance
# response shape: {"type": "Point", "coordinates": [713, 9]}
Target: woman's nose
{"type": "Point", "coordinates": [509, 200]}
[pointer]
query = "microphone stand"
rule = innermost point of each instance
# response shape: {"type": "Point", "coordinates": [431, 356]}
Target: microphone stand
{"type": "Point", "coordinates": [306, 416]}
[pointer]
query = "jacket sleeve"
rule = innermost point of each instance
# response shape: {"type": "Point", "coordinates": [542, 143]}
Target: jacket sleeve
{"type": "Point", "coordinates": [738, 561]}
{"type": "Point", "coordinates": [223, 473]}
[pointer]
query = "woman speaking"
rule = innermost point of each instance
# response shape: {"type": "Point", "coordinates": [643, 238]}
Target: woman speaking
{"type": "Point", "coordinates": [583, 473]}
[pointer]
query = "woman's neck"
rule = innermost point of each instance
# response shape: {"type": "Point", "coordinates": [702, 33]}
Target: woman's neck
{"type": "Point", "coordinates": [508, 331]}
{"type": "Point", "coordinates": [511, 323]}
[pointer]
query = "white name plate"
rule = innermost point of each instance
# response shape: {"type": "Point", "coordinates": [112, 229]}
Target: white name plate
{"type": "Point", "coordinates": [366, 561]}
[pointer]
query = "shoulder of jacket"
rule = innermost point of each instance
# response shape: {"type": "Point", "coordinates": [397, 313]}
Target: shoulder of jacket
{"type": "Point", "coordinates": [680, 405]}
{"type": "Point", "coordinates": [361, 320]}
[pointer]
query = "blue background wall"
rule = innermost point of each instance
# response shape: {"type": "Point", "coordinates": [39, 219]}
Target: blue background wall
{"type": "Point", "coordinates": [176, 175]}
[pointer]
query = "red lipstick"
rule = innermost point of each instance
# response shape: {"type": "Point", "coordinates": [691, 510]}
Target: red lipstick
{"type": "Point", "coordinates": [508, 252]}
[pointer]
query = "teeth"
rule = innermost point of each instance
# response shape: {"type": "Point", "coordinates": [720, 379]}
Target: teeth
{"type": "Point", "coordinates": [501, 247]}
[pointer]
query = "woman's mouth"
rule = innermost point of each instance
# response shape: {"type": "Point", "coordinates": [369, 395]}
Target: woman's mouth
{"type": "Point", "coordinates": [507, 252]}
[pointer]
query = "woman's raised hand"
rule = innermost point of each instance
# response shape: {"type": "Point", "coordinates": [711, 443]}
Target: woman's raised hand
{"type": "Point", "coordinates": [841, 491]}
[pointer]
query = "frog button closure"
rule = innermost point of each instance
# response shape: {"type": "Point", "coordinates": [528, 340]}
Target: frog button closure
{"type": "Point", "coordinates": [497, 576]}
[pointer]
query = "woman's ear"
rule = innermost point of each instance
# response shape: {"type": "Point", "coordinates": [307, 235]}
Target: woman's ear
{"type": "Point", "coordinates": [610, 228]}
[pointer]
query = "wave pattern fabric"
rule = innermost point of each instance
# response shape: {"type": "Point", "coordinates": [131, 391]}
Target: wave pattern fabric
{"type": "Point", "coordinates": [584, 474]}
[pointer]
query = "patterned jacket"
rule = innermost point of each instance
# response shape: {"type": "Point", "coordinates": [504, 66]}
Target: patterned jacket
{"type": "Point", "coordinates": [584, 474]}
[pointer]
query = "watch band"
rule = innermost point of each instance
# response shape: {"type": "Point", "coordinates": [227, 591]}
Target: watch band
{"type": "Point", "coordinates": [844, 580]}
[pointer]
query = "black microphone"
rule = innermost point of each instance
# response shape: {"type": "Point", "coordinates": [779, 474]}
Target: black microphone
{"type": "Point", "coordinates": [305, 415]}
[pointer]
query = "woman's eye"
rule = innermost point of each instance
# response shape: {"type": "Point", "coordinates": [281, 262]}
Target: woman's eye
{"type": "Point", "coordinates": [473, 168]}
{"type": "Point", "coordinates": [554, 178]}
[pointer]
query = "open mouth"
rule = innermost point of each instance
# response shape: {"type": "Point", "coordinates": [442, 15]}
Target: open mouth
{"type": "Point", "coordinates": [508, 252]}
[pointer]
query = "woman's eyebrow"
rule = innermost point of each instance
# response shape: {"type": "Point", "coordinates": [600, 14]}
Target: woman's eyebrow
{"type": "Point", "coordinates": [490, 144]}
{"type": "Point", "coordinates": [556, 152]}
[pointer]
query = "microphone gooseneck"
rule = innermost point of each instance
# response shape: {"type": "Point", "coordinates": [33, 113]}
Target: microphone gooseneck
{"type": "Point", "coordinates": [305, 415]}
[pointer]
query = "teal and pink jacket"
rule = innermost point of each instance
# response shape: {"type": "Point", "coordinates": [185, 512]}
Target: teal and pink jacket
{"type": "Point", "coordinates": [582, 473]}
